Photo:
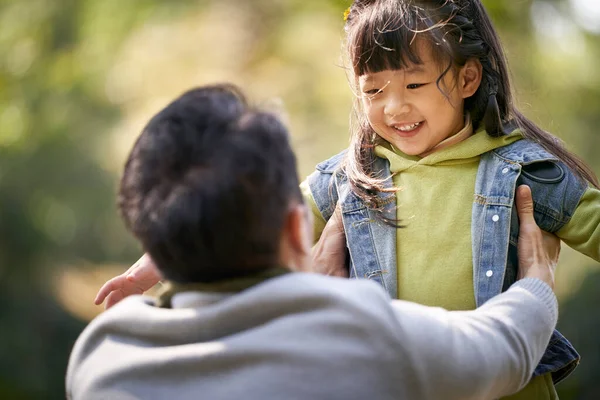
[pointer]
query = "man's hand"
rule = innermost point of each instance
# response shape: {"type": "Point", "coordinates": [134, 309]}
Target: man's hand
{"type": "Point", "coordinates": [140, 277]}
{"type": "Point", "coordinates": [538, 250]}
{"type": "Point", "coordinates": [329, 253]}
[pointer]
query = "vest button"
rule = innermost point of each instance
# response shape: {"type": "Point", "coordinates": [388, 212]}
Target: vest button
{"type": "Point", "coordinates": [505, 170]}
{"type": "Point", "coordinates": [489, 273]}
{"type": "Point", "coordinates": [495, 218]}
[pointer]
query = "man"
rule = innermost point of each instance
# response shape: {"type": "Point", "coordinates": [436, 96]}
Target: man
{"type": "Point", "coordinates": [210, 190]}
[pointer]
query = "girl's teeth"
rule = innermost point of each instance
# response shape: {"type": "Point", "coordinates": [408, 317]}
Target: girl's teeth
{"type": "Point", "coordinates": [405, 128]}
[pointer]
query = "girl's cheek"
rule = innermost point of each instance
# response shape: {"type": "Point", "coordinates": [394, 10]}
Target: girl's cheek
{"type": "Point", "coordinates": [372, 121]}
{"type": "Point", "coordinates": [376, 127]}
{"type": "Point", "coordinates": [366, 103]}
{"type": "Point", "coordinates": [368, 112]}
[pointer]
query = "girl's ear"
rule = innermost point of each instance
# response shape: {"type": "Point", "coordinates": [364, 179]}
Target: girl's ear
{"type": "Point", "coordinates": [470, 77]}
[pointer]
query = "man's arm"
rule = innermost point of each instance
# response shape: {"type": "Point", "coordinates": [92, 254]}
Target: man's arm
{"type": "Point", "coordinates": [482, 354]}
{"type": "Point", "coordinates": [492, 351]}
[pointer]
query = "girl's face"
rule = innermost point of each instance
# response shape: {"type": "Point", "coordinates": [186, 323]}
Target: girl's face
{"type": "Point", "coordinates": [406, 108]}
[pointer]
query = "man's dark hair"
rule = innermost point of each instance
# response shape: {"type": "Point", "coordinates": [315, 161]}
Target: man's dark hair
{"type": "Point", "coordinates": [207, 186]}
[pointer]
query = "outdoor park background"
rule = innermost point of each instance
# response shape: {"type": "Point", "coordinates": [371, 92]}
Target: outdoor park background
{"type": "Point", "coordinates": [79, 78]}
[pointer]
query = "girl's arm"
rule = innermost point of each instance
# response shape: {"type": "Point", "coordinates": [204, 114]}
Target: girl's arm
{"type": "Point", "coordinates": [582, 232]}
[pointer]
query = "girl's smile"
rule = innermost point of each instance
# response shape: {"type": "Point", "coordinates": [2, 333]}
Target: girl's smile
{"type": "Point", "coordinates": [408, 129]}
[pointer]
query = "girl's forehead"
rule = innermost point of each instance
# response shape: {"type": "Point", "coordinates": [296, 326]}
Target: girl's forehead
{"type": "Point", "coordinates": [421, 59]}
{"type": "Point", "coordinates": [428, 66]}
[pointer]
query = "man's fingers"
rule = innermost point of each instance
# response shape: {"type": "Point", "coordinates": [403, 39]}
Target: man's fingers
{"type": "Point", "coordinates": [538, 252]}
{"type": "Point", "coordinates": [525, 205]}
{"type": "Point", "coordinates": [336, 219]}
{"type": "Point", "coordinates": [337, 212]}
{"type": "Point", "coordinates": [329, 253]}
{"type": "Point", "coordinates": [552, 246]}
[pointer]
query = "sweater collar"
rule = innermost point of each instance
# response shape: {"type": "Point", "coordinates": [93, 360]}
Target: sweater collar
{"type": "Point", "coordinates": [464, 133]}
{"type": "Point", "coordinates": [215, 290]}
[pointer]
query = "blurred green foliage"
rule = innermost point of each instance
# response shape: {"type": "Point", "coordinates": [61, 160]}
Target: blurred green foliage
{"type": "Point", "coordinates": [78, 79]}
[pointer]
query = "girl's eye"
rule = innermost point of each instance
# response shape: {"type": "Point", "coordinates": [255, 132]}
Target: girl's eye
{"type": "Point", "coordinates": [372, 92]}
{"type": "Point", "coordinates": [414, 85]}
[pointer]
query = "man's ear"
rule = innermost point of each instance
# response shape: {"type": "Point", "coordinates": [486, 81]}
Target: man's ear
{"type": "Point", "coordinates": [470, 77]}
{"type": "Point", "coordinates": [299, 228]}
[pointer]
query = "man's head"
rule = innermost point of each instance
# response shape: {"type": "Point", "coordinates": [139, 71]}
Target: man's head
{"type": "Point", "coordinates": [211, 190]}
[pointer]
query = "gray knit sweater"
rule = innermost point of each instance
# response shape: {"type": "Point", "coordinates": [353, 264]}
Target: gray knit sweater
{"type": "Point", "coordinates": [306, 336]}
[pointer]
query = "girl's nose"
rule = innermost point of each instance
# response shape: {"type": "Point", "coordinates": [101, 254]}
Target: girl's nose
{"type": "Point", "coordinates": [396, 105]}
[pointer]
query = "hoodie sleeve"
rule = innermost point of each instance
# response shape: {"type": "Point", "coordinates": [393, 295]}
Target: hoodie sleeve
{"type": "Point", "coordinates": [582, 232]}
{"type": "Point", "coordinates": [318, 220]}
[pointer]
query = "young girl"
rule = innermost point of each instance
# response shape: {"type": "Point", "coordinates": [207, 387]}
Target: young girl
{"type": "Point", "coordinates": [435, 114]}
{"type": "Point", "coordinates": [435, 157]}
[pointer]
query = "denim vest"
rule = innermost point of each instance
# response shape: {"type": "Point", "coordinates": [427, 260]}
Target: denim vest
{"type": "Point", "coordinates": [494, 225]}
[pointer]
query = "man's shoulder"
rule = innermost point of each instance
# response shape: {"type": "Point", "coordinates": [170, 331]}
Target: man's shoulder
{"type": "Point", "coordinates": [128, 312]}
{"type": "Point", "coordinates": [312, 283]}
{"type": "Point", "coordinates": [110, 324]}
{"type": "Point", "coordinates": [325, 292]}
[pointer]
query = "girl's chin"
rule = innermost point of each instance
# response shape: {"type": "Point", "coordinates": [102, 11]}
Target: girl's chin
{"type": "Point", "coordinates": [410, 150]}
{"type": "Point", "coordinates": [414, 153]}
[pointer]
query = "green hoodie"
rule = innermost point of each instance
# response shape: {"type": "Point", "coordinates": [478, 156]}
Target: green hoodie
{"type": "Point", "coordinates": [435, 200]}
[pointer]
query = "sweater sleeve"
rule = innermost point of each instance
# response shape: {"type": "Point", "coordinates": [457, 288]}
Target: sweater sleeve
{"type": "Point", "coordinates": [582, 232]}
{"type": "Point", "coordinates": [318, 220]}
{"type": "Point", "coordinates": [481, 354]}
